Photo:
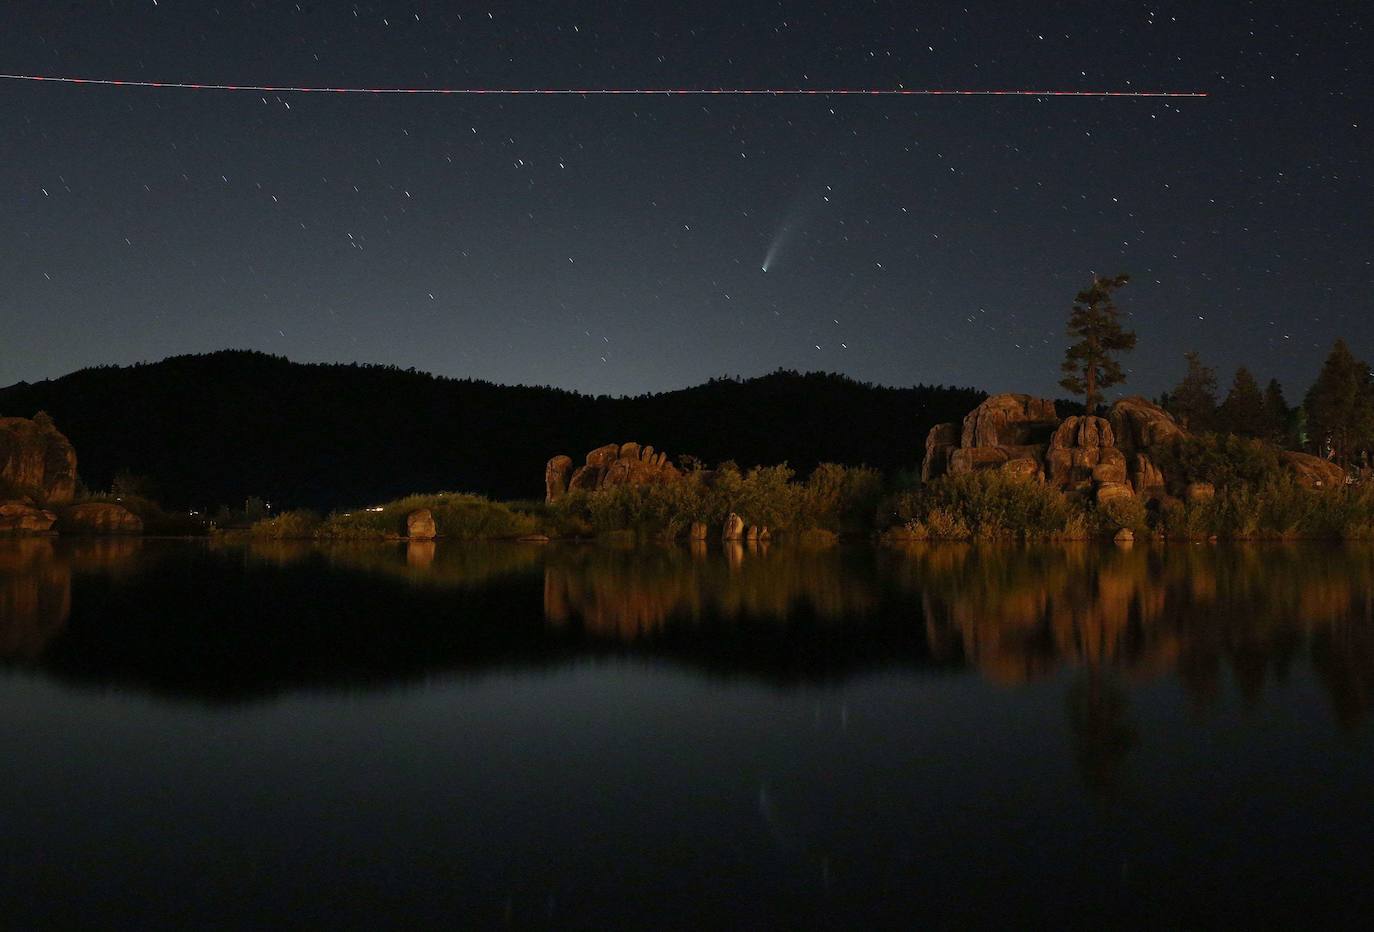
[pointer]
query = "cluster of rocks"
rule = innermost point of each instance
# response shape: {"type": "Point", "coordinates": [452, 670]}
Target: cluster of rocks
{"type": "Point", "coordinates": [38, 484]}
{"type": "Point", "coordinates": [1105, 458]}
{"type": "Point", "coordinates": [606, 467]}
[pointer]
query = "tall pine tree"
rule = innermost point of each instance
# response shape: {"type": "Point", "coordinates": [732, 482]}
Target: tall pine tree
{"type": "Point", "coordinates": [1194, 400]}
{"type": "Point", "coordinates": [1090, 363]}
{"type": "Point", "coordinates": [1243, 410]}
{"type": "Point", "coordinates": [1276, 413]}
{"type": "Point", "coordinates": [1340, 405]}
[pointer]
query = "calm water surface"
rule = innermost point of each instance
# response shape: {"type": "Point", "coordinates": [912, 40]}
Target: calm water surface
{"type": "Point", "coordinates": [196, 735]}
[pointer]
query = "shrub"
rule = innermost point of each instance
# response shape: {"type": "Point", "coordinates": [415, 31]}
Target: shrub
{"type": "Point", "coordinates": [456, 515]}
{"type": "Point", "coordinates": [993, 505]}
{"type": "Point", "coordinates": [289, 525]}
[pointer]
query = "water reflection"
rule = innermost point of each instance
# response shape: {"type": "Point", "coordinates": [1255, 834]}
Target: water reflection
{"type": "Point", "coordinates": [270, 616]}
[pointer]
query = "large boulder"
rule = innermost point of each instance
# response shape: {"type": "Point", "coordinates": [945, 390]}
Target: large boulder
{"type": "Point", "coordinates": [734, 528]}
{"type": "Point", "coordinates": [1146, 478]}
{"type": "Point", "coordinates": [1082, 452]}
{"type": "Point", "coordinates": [1086, 431]}
{"type": "Point", "coordinates": [25, 518]}
{"type": "Point", "coordinates": [942, 440]}
{"type": "Point", "coordinates": [1113, 491]}
{"type": "Point", "coordinates": [420, 525]}
{"type": "Point", "coordinates": [36, 460]}
{"type": "Point", "coordinates": [1139, 424]}
{"type": "Point", "coordinates": [556, 472]}
{"type": "Point", "coordinates": [1313, 471]}
{"type": "Point", "coordinates": [1009, 420]}
{"type": "Point", "coordinates": [99, 518]}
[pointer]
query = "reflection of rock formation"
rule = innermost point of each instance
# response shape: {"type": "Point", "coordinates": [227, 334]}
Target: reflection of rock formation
{"type": "Point", "coordinates": [35, 597]}
{"type": "Point", "coordinates": [627, 595]}
{"type": "Point", "coordinates": [1019, 614]}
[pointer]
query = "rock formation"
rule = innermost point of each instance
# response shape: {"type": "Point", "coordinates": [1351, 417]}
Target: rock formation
{"type": "Point", "coordinates": [99, 518]}
{"type": "Point", "coordinates": [23, 517]}
{"type": "Point", "coordinates": [420, 525]}
{"type": "Point", "coordinates": [36, 460]}
{"type": "Point", "coordinates": [940, 442]}
{"type": "Point", "coordinates": [607, 467]}
{"type": "Point", "coordinates": [734, 528]}
{"type": "Point", "coordinates": [556, 473]}
{"type": "Point", "coordinates": [1313, 471]}
{"type": "Point", "coordinates": [1084, 454]}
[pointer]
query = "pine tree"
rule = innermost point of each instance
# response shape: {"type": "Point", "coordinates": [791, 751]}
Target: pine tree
{"type": "Point", "coordinates": [1194, 401]}
{"type": "Point", "coordinates": [1090, 364]}
{"type": "Point", "coordinates": [1340, 405]}
{"type": "Point", "coordinates": [1242, 412]}
{"type": "Point", "coordinates": [1276, 414]}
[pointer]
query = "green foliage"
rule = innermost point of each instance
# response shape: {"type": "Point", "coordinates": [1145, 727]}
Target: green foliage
{"type": "Point", "coordinates": [992, 505]}
{"type": "Point", "coordinates": [840, 499]}
{"type": "Point", "coordinates": [301, 524]}
{"type": "Point", "coordinates": [1224, 460]}
{"type": "Point", "coordinates": [1129, 513]}
{"type": "Point", "coordinates": [1193, 402]}
{"type": "Point", "coordinates": [1090, 364]}
{"type": "Point", "coordinates": [456, 516]}
{"type": "Point", "coordinates": [1340, 405]}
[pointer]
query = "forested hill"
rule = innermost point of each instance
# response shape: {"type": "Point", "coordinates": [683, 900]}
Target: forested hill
{"type": "Point", "coordinates": [213, 429]}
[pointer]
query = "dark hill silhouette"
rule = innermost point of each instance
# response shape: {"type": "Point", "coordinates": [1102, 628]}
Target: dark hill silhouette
{"type": "Point", "coordinates": [212, 429]}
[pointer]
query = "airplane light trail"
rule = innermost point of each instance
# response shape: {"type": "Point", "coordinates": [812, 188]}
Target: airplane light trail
{"type": "Point", "coordinates": [600, 91]}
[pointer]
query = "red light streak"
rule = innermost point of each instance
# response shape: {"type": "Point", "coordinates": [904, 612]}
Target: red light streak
{"type": "Point", "coordinates": [600, 91]}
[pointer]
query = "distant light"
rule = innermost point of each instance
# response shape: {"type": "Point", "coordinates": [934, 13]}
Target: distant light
{"type": "Point", "coordinates": [378, 508]}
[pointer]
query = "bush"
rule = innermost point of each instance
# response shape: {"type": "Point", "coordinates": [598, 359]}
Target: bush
{"type": "Point", "coordinates": [289, 525]}
{"type": "Point", "coordinates": [992, 505]}
{"type": "Point", "coordinates": [456, 515]}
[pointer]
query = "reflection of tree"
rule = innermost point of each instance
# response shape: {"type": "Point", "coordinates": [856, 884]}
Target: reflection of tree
{"type": "Point", "coordinates": [1103, 734]}
{"type": "Point", "coordinates": [35, 597]}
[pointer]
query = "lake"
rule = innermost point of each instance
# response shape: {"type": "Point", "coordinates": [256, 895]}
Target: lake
{"type": "Point", "coordinates": [200, 734]}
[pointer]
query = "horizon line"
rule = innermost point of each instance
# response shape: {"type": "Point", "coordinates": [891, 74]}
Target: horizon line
{"type": "Point", "coordinates": [604, 91]}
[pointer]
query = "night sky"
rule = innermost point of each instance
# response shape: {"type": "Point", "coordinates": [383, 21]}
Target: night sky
{"type": "Point", "coordinates": [617, 244]}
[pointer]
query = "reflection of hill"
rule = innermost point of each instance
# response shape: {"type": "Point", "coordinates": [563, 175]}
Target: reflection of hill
{"type": "Point", "coordinates": [224, 621]}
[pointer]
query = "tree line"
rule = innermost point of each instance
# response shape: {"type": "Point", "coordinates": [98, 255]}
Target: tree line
{"type": "Point", "coordinates": [1335, 418]}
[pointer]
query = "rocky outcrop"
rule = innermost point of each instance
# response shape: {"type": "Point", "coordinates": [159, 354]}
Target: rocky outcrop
{"type": "Point", "coordinates": [734, 528]}
{"type": "Point", "coordinates": [99, 518]}
{"type": "Point", "coordinates": [1082, 451]}
{"type": "Point", "coordinates": [607, 467]}
{"type": "Point", "coordinates": [420, 525]}
{"type": "Point", "coordinates": [1146, 478]}
{"type": "Point", "coordinates": [23, 517]}
{"type": "Point", "coordinates": [556, 473]}
{"type": "Point", "coordinates": [1019, 435]}
{"type": "Point", "coordinates": [1139, 424]}
{"type": "Point", "coordinates": [1009, 420]}
{"type": "Point", "coordinates": [36, 460]}
{"type": "Point", "coordinates": [1000, 431]}
{"type": "Point", "coordinates": [940, 442]}
{"type": "Point", "coordinates": [1313, 471]}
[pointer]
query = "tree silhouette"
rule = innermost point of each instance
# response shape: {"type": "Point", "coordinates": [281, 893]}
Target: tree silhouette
{"type": "Point", "coordinates": [1243, 410]}
{"type": "Point", "coordinates": [1194, 400]}
{"type": "Point", "coordinates": [1340, 405]}
{"type": "Point", "coordinates": [1276, 414]}
{"type": "Point", "coordinates": [1090, 364]}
